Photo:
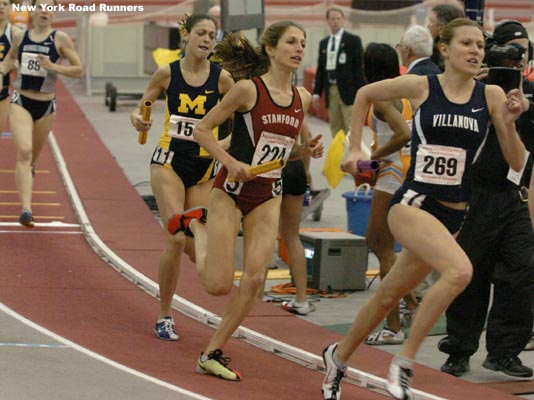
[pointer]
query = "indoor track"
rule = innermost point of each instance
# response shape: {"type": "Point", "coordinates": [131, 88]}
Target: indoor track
{"type": "Point", "coordinates": [73, 327]}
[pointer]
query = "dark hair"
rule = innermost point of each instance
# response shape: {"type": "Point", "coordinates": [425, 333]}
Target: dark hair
{"type": "Point", "coordinates": [334, 9]}
{"type": "Point", "coordinates": [380, 61]}
{"type": "Point", "coordinates": [450, 29]}
{"type": "Point", "coordinates": [189, 21]}
{"type": "Point", "coordinates": [507, 30]}
{"type": "Point", "coordinates": [445, 13]}
{"type": "Point", "coordinates": [241, 59]}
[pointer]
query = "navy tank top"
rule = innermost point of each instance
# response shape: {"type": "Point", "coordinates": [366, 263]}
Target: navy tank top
{"type": "Point", "coordinates": [185, 106]}
{"type": "Point", "coordinates": [5, 45]}
{"type": "Point", "coordinates": [31, 75]}
{"type": "Point", "coordinates": [446, 140]}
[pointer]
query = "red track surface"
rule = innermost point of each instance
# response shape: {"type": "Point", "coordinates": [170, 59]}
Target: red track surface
{"type": "Point", "coordinates": [57, 281]}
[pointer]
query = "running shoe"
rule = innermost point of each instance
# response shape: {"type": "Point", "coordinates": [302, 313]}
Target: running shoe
{"type": "Point", "coordinates": [510, 365]}
{"type": "Point", "coordinates": [165, 329]}
{"type": "Point", "coordinates": [26, 219]}
{"type": "Point", "coordinates": [399, 379]}
{"type": "Point", "coordinates": [385, 336]}
{"type": "Point", "coordinates": [217, 365]}
{"type": "Point", "coordinates": [456, 365]}
{"type": "Point", "coordinates": [298, 308]}
{"type": "Point", "coordinates": [181, 222]}
{"type": "Point", "coordinates": [330, 387]}
{"type": "Point", "coordinates": [318, 196]}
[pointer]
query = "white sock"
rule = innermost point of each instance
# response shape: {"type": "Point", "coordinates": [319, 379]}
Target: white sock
{"type": "Point", "coordinates": [340, 364]}
{"type": "Point", "coordinates": [403, 362]}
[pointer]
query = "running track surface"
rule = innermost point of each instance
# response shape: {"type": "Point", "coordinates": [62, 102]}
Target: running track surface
{"type": "Point", "coordinates": [57, 281]}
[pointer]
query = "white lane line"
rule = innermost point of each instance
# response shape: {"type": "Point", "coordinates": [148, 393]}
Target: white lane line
{"type": "Point", "coordinates": [284, 350]}
{"type": "Point", "coordinates": [67, 343]}
{"type": "Point", "coordinates": [53, 224]}
{"type": "Point", "coordinates": [30, 232]}
{"type": "Point", "coordinates": [36, 345]}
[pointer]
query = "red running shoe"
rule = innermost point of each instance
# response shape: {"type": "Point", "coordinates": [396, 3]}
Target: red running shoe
{"type": "Point", "coordinates": [181, 222]}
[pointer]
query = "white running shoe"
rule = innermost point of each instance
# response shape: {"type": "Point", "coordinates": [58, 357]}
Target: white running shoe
{"type": "Point", "coordinates": [298, 308]}
{"type": "Point", "coordinates": [334, 375]}
{"type": "Point", "coordinates": [385, 336]}
{"type": "Point", "coordinates": [399, 379]}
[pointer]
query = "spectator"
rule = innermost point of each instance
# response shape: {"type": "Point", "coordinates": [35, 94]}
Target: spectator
{"type": "Point", "coordinates": [215, 13]}
{"type": "Point", "coordinates": [339, 72]}
{"type": "Point", "coordinates": [19, 17]}
{"type": "Point", "coordinates": [438, 17]}
{"type": "Point", "coordinates": [415, 49]}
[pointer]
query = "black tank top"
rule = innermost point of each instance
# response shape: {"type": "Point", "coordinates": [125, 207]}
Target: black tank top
{"type": "Point", "coordinates": [446, 140]}
{"type": "Point", "coordinates": [31, 75]}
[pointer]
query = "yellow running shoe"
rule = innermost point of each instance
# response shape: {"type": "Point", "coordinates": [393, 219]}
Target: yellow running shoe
{"type": "Point", "coordinates": [217, 365]}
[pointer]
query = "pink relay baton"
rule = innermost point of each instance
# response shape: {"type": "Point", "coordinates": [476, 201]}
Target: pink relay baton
{"type": "Point", "coordinates": [368, 165]}
{"type": "Point", "coordinates": [365, 165]}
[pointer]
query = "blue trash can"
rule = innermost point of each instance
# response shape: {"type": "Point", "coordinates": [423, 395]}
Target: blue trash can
{"type": "Point", "coordinates": [358, 205]}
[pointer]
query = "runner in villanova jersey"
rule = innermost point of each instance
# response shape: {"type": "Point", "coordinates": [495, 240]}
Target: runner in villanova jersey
{"type": "Point", "coordinates": [452, 115]}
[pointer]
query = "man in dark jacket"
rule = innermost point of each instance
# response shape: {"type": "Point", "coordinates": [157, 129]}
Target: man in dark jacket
{"type": "Point", "coordinates": [415, 49]}
{"type": "Point", "coordinates": [339, 72]}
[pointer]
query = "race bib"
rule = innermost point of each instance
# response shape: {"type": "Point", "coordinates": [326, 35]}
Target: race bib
{"type": "Point", "coordinates": [233, 187]}
{"type": "Point", "coordinates": [439, 165]}
{"type": "Point", "coordinates": [277, 188]}
{"type": "Point", "coordinates": [331, 60]}
{"type": "Point", "coordinates": [181, 127]}
{"type": "Point", "coordinates": [30, 65]}
{"type": "Point", "coordinates": [272, 147]}
{"type": "Point", "coordinates": [162, 156]}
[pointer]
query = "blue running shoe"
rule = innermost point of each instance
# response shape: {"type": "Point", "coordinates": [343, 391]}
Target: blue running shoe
{"type": "Point", "coordinates": [26, 218]}
{"type": "Point", "coordinates": [165, 329]}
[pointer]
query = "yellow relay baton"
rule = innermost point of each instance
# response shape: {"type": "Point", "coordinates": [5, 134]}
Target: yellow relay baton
{"type": "Point", "coordinates": [147, 107]}
{"type": "Point", "coordinates": [266, 167]}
